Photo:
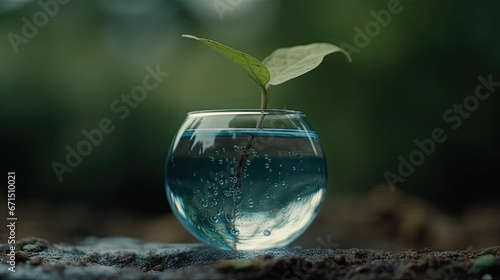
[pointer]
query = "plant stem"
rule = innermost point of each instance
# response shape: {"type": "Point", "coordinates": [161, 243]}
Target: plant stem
{"type": "Point", "coordinates": [263, 106]}
{"type": "Point", "coordinates": [263, 102]}
{"type": "Point", "coordinates": [239, 180]}
{"type": "Point", "coordinates": [243, 157]}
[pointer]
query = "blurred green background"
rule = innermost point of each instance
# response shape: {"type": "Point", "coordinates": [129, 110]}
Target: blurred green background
{"type": "Point", "coordinates": [65, 77]}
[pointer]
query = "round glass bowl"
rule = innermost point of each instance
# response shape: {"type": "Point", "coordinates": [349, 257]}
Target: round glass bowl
{"type": "Point", "coordinates": [246, 179]}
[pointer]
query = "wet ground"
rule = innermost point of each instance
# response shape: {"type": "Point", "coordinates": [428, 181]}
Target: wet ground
{"type": "Point", "coordinates": [126, 258]}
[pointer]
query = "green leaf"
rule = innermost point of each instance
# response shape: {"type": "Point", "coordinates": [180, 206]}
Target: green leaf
{"type": "Point", "coordinates": [254, 68]}
{"type": "Point", "coordinates": [287, 63]}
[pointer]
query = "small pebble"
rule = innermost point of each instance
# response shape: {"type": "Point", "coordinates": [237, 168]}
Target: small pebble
{"type": "Point", "coordinates": [30, 248]}
{"type": "Point", "coordinates": [21, 256]}
{"type": "Point", "coordinates": [158, 268]}
{"type": "Point", "coordinates": [487, 276]}
{"type": "Point", "coordinates": [36, 261]}
{"type": "Point", "coordinates": [482, 263]}
{"type": "Point", "coordinates": [156, 257]}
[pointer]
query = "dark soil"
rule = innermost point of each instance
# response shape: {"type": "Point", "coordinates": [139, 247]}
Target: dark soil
{"type": "Point", "coordinates": [126, 258]}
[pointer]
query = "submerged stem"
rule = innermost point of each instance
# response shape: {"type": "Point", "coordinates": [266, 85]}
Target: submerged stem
{"type": "Point", "coordinates": [243, 158]}
{"type": "Point", "coordinates": [239, 180]}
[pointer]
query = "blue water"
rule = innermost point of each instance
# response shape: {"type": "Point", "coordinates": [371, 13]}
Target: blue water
{"type": "Point", "coordinates": [246, 189]}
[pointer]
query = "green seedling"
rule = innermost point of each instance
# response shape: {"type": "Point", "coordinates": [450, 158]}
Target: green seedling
{"type": "Point", "coordinates": [280, 66]}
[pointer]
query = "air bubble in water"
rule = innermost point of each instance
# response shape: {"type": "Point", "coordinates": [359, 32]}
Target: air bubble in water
{"type": "Point", "coordinates": [267, 232]}
{"type": "Point", "coordinates": [266, 165]}
{"type": "Point", "coordinates": [266, 156]}
{"type": "Point", "coordinates": [214, 219]}
{"type": "Point", "coordinates": [250, 203]}
{"type": "Point", "coordinates": [299, 197]}
{"type": "Point", "coordinates": [236, 148]}
{"type": "Point", "coordinates": [248, 162]}
{"type": "Point", "coordinates": [235, 232]}
{"type": "Point", "coordinates": [220, 161]}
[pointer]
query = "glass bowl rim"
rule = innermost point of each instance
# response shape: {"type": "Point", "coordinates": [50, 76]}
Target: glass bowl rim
{"type": "Point", "coordinates": [245, 111]}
